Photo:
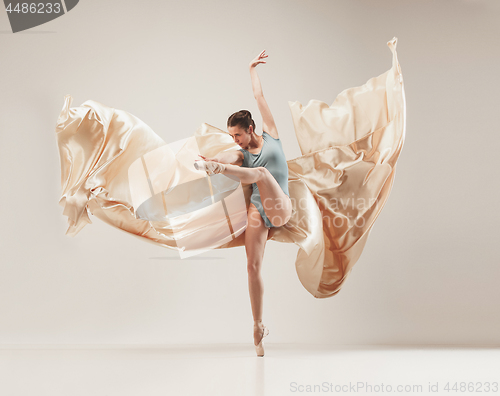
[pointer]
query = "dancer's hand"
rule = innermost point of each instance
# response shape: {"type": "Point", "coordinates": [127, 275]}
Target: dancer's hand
{"type": "Point", "coordinates": [207, 159]}
{"type": "Point", "coordinates": [258, 59]}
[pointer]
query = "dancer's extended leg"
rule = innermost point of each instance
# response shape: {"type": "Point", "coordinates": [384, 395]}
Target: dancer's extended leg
{"type": "Point", "coordinates": [276, 203]}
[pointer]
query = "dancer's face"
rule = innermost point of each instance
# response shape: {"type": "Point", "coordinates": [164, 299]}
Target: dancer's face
{"type": "Point", "coordinates": [240, 136]}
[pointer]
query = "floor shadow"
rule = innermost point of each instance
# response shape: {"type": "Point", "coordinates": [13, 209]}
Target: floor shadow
{"type": "Point", "coordinates": [187, 258]}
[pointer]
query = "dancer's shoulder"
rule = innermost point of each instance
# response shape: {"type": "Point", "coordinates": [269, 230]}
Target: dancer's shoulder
{"type": "Point", "coordinates": [273, 134]}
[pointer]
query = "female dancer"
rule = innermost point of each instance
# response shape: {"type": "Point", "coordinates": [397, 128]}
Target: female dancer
{"type": "Point", "coordinates": [260, 161]}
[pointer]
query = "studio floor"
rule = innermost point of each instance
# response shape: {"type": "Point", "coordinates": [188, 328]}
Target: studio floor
{"type": "Point", "coordinates": [233, 369]}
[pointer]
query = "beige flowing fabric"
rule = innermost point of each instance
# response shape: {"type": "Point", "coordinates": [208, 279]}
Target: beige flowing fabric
{"type": "Point", "coordinates": [116, 168]}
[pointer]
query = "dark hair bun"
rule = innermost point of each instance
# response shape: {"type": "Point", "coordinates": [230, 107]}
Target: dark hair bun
{"type": "Point", "coordinates": [242, 118]}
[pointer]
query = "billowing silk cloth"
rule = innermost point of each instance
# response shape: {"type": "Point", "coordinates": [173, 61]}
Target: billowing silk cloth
{"type": "Point", "coordinates": [115, 167]}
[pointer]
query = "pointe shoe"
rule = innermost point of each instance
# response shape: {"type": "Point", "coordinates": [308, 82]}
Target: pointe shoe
{"type": "Point", "coordinates": [259, 348]}
{"type": "Point", "coordinates": [211, 167]}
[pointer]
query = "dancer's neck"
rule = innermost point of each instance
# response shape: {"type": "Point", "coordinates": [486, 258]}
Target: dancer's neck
{"type": "Point", "coordinates": [255, 142]}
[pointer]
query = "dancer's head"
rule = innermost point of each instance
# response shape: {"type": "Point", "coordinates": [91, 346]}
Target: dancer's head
{"type": "Point", "coordinates": [241, 126]}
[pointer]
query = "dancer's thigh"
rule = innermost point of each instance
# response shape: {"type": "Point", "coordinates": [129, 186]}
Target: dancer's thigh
{"type": "Point", "coordinates": [255, 236]}
{"type": "Point", "coordinates": [276, 203]}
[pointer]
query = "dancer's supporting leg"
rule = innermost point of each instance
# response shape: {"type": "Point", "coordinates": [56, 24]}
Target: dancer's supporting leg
{"type": "Point", "coordinates": [276, 203]}
{"type": "Point", "coordinates": [255, 241]}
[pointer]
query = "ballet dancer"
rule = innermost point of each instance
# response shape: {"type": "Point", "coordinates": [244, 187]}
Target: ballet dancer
{"type": "Point", "coordinates": [260, 161]}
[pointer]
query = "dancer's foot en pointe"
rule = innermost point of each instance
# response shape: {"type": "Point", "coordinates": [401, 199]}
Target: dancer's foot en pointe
{"type": "Point", "coordinates": [211, 167]}
{"type": "Point", "coordinates": [259, 332]}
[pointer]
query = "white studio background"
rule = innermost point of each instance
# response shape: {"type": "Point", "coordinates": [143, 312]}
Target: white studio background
{"type": "Point", "coordinates": [429, 272]}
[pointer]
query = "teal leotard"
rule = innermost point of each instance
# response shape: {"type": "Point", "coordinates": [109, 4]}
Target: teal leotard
{"type": "Point", "coordinates": [272, 158]}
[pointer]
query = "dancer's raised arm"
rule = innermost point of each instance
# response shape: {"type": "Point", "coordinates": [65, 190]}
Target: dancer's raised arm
{"type": "Point", "coordinates": [268, 124]}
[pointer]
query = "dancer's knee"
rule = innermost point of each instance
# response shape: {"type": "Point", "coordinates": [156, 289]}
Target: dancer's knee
{"type": "Point", "coordinates": [263, 172]}
{"type": "Point", "coordinates": [281, 219]}
{"type": "Point", "coordinates": [278, 221]}
{"type": "Point", "coordinates": [253, 268]}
